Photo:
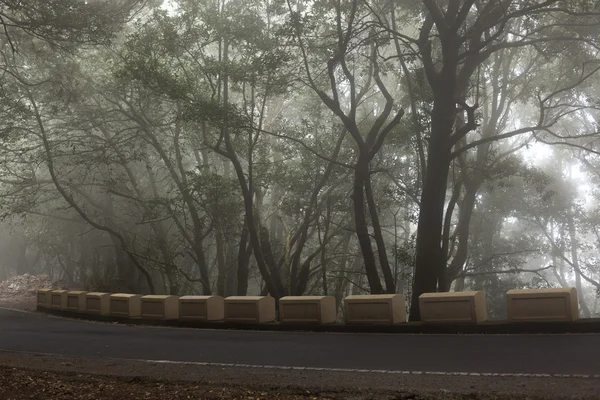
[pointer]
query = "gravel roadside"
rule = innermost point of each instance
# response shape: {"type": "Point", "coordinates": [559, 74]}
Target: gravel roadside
{"type": "Point", "coordinates": [28, 376]}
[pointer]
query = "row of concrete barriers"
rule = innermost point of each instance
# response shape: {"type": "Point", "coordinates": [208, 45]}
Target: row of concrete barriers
{"type": "Point", "coordinates": [535, 305]}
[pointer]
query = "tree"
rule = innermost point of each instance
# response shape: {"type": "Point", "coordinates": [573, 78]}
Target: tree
{"type": "Point", "coordinates": [65, 23]}
{"type": "Point", "coordinates": [305, 147]}
{"type": "Point", "coordinates": [454, 40]}
{"type": "Point", "coordinates": [356, 61]}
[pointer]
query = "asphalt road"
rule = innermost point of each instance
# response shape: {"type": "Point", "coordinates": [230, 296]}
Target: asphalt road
{"type": "Point", "coordinates": [505, 354]}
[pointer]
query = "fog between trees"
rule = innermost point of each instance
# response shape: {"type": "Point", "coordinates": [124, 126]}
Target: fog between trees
{"type": "Point", "coordinates": [292, 147]}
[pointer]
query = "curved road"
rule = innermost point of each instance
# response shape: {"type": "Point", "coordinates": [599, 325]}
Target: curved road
{"type": "Point", "coordinates": [456, 354]}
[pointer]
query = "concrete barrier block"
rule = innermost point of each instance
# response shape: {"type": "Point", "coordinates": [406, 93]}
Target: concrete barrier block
{"type": "Point", "coordinates": [453, 307]}
{"type": "Point", "coordinates": [125, 305]}
{"type": "Point", "coordinates": [97, 303]}
{"type": "Point", "coordinates": [307, 309]}
{"type": "Point", "coordinates": [44, 298]}
{"type": "Point", "coordinates": [59, 299]}
{"type": "Point", "coordinates": [251, 309]}
{"type": "Point", "coordinates": [381, 309]}
{"type": "Point", "coordinates": [201, 308]}
{"type": "Point", "coordinates": [76, 301]}
{"type": "Point", "coordinates": [160, 307]}
{"type": "Point", "coordinates": [542, 305]}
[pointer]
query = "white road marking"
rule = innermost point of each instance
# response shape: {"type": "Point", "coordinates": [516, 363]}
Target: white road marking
{"type": "Point", "coordinates": [295, 368]}
{"type": "Point", "coordinates": [319, 369]}
{"type": "Point", "coordinates": [372, 371]}
{"type": "Point", "coordinates": [17, 310]}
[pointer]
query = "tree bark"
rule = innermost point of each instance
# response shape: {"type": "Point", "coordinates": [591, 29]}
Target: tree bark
{"type": "Point", "coordinates": [429, 257]}
{"type": "Point", "coordinates": [361, 174]}
{"type": "Point", "coordinates": [386, 269]}
{"type": "Point", "coordinates": [274, 287]}
{"type": "Point", "coordinates": [244, 254]}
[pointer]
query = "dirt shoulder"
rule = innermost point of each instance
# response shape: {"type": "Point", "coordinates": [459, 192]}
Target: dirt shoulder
{"type": "Point", "coordinates": [27, 376]}
{"type": "Point", "coordinates": [16, 384]}
{"type": "Point", "coordinates": [19, 292]}
{"type": "Point", "coordinates": [24, 303]}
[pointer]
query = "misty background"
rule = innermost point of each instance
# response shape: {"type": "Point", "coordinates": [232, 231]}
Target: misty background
{"type": "Point", "coordinates": [295, 147]}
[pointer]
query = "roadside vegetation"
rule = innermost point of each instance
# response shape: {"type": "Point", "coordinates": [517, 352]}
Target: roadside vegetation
{"type": "Point", "coordinates": [302, 147]}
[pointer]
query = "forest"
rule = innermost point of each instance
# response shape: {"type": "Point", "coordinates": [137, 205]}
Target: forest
{"type": "Point", "coordinates": [302, 147]}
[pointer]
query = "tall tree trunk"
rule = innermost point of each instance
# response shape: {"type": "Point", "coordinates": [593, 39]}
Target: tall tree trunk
{"type": "Point", "coordinates": [244, 254]}
{"type": "Point", "coordinates": [390, 285]}
{"type": "Point", "coordinates": [429, 258]}
{"type": "Point", "coordinates": [273, 284]}
{"type": "Point", "coordinates": [361, 174]}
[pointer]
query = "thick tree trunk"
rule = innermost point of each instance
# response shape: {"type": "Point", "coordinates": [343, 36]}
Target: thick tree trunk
{"type": "Point", "coordinates": [361, 174]}
{"type": "Point", "coordinates": [390, 285]}
{"type": "Point", "coordinates": [429, 257]}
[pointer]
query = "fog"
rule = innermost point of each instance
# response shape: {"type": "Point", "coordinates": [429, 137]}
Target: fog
{"type": "Point", "coordinates": [244, 147]}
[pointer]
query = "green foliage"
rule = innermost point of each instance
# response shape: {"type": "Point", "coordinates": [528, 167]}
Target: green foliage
{"type": "Point", "coordinates": [66, 22]}
{"type": "Point", "coordinates": [127, 125]}
{"type": "Point", "coordinates": [219, 197]}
